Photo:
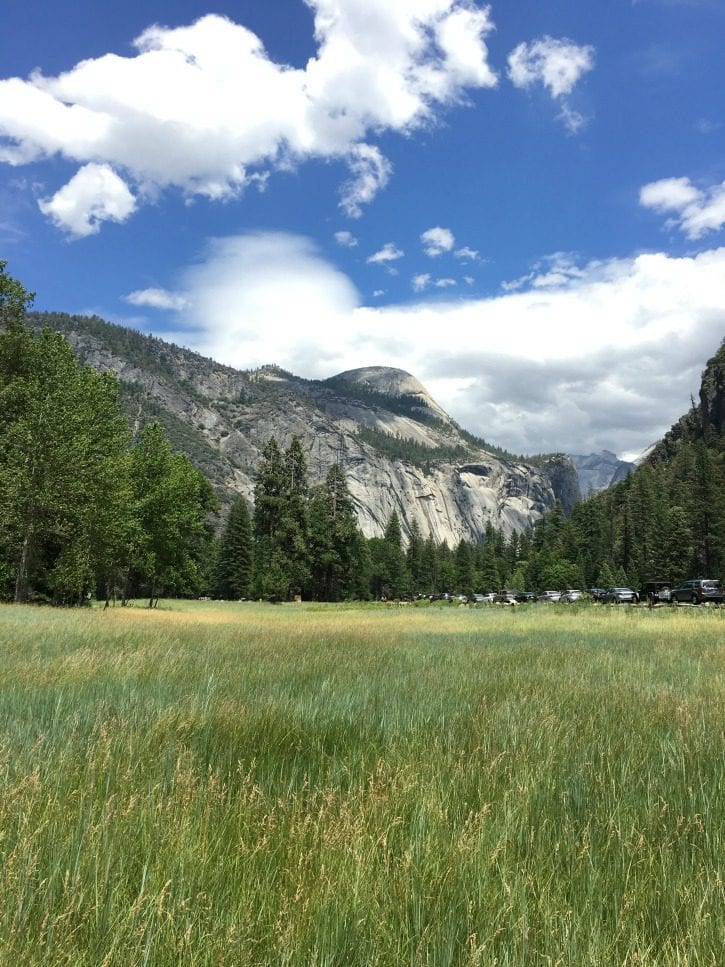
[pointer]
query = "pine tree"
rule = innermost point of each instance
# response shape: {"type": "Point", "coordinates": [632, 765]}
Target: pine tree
{"type": "Point", "coordinates": [430, 582]}
{"type": "Point", "coordinates": [675, 549]}
{"type": "Point", "coordinates": [489, 576]}
{"type": "Point", "coordinates": [446, 568]}
{"type": "Point", "coordinates": [269, 496]}
{"type": "Point", "coordinates": [414, 558]}
{"type": "Point", "coordinates": [233, 572]}
{"type": "Point", "coordinates": [379, 588]}
{"type": "Point", "coordinates": [605, 577]}
{"type": "Point", "coordinates": [465, 580]}
{"type": "Point", "coordinates": [395, 578]}
{"type": "Point", "coordinates": [588, 529]}
{"type": "Point", "coordinates": [293, 525]}
{"type": "Point", "coordinates": [334, 539]}
{"type": "Point", "coordinates": [362, 570]}
{"type": "Point", "coordinates": [511, 552]}
{"type": "Point", "coordinates": [706, 512]}
{"type": "Point", "coordinates": [281, 525]}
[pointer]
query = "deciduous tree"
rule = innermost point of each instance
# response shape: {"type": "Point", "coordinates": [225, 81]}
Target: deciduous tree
{"type": "Point", "coordinates": [172, 502]}
{"type": "Point", "coordinates": [62, 436]}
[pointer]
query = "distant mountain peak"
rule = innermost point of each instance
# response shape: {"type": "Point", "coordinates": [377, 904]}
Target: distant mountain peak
{"type": "Point", "coordinates": [598, 471]}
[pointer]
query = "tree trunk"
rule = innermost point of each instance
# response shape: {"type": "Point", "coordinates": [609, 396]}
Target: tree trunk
{"type": "Point", "coordinates": [23, 575]}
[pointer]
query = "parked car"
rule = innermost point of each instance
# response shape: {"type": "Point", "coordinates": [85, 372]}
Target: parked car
{"type": "Point", "coordinates": [484, 598]}
{"type": "Point", "coordinates": [523, 597]}
{"type": "Point", "coordinates": [620, 596]}
{"type": "Point", "coordinates": [657, 591]}
{"type": "Point", "coordinates": [505, 596]}
{"type": "Point", "coordinates": [571, 595]}
{"type": "Point", "coordinates": [597, 594]}
{"type": "Point", "coordinates": [701, 591]}
{"type": "Point", "coordinates": [549, 596]}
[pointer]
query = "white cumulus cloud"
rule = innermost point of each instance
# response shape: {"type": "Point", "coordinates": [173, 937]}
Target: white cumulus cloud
{"type": "Point", "coordinates": [388, 253]}
{"type": "Point", "coordinates": [425, 280]}
{"type": "Point", "coordinates": [557, 64]}
{"type": "Point", "coordinates": [95, 194]}
{"type": "Point", "coordinates": [346, 239]}
{"type": "Point", "coordinates": [696, 212]}
{"type": "Point", "coordinates": [420, 282]}
{"type": "Point", "coordinates": [263, 298]}
{"type": "Point", "coordinates": [370, 171]}
{"type": "Point", "coordinates": [203, 108]}
{"type": "Point", "coordinates": [437, 240]}
{"type": "Point", "coordinates": [157, 299]}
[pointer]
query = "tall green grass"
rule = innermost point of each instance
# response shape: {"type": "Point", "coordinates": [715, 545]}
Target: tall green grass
{"type": "Point", "coordinates": [249, 785]}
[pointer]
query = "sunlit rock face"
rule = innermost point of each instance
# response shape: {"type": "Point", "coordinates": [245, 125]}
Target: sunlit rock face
{"type": "Point", "coordinates": [449, 502]}
{"type": "Point", "coordinates": [400, 450]}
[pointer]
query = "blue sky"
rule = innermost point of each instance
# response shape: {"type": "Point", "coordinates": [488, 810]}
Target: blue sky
{"type": "Point", "coordinates": [522, 204]}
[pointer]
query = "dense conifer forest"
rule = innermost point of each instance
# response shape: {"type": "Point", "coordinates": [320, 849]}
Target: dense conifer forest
{"type": "Point", "coordinates": [90, 508]}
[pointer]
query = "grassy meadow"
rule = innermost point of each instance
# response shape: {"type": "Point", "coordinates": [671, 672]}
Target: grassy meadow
{"type": "Point", "coordinates": [228, 784]}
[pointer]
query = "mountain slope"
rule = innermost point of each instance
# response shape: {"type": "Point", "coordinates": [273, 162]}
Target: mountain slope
{"type": "Point", "coordinates": [666, 520]}
{"type": "Point", "coordinates": [399, 449]}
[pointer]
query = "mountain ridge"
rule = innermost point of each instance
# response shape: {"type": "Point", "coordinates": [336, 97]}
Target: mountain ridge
{"type": "Point", "coordinates": [400, 450]}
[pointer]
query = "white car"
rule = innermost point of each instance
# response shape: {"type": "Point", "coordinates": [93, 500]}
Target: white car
{"type": "Point", "coordinates": [484, 598]}
{"type": "Point", "coordinates": [571, 595]}
{"type": "Point", "coordinates": [549, 596]}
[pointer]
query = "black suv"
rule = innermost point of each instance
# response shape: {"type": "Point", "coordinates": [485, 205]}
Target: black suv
{"type": "Point", "coordinates": [698, 592]}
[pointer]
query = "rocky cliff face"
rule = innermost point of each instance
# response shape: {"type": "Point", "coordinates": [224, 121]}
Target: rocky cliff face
{"type": "Point", "coordinates": [712, 395]}
{"type": "Point", "coordinates": [400, 450]}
